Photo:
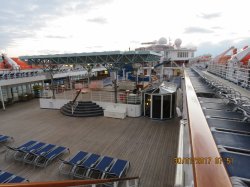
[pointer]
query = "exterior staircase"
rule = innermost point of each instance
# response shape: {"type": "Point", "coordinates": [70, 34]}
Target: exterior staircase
{"type": "Point", "coordinates": [82, 109]}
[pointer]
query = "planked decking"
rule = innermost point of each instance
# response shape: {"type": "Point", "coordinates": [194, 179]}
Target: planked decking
{"type": "Point", "coordinates": [149, 145]}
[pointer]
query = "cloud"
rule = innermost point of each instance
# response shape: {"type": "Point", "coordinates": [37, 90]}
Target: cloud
{"type": "Point", "coordinates": [98, 20]}
{"type": "Point", "coordinates": [94, 47]}
{"type": "Point", "coordinates": [191, 30]}
{"type": "Point", "coordinates": [215, 49]}
{"type": "Point", "coordinates": [217, 28]}
{"type": "Point", "coordinates": [56, 37]}
{"type": "Point", "coordinates": [209, 16]}
{"type": "Point", "coordinates": [33, 15]}
{"type": "Point", "coordinates": [135, 42]}
{"type": "Point", "coordinates": [89, 4]}
{"type": "Point", "coordinates": [7, 39]}
{"type": "Point", "coordinates": [46, 52]}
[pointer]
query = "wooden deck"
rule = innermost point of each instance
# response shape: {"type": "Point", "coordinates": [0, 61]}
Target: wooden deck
{"type": "Point", "coordinates": [149, 145]}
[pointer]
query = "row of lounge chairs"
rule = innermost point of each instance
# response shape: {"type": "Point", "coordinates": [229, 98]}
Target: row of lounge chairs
{"type": "Point", "coordinates": [81, 165]}
{"type": "Point", "coordinates": [228, 117]}
{"type": "Point", "coordinates": [6, 177]}
{"type": "Point", "coordinates": [37, 153]}
{"type": "Point", "coordinates": [90, 165]}
{"type": "Point", "coordinates": [230, 95]}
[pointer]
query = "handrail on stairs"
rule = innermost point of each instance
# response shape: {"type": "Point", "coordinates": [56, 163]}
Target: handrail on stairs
{"type": "Point", "coordinates": [79, 91]}
{"type": "Point", "coordinates": [74, 102]}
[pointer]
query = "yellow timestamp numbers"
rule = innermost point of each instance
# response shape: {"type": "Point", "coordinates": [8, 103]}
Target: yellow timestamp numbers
{"type": "Point", "coordinates": [203, 160]}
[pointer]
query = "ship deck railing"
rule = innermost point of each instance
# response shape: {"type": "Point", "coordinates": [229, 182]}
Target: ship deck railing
{"type": "Point", "coordinates": [238, 75]}
{"type": "Point", "coordinates": [202, 145]}
{"type": "Point", "coordinates": [102, 95]}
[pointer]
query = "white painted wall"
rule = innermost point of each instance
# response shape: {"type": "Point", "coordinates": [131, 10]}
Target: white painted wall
{"type": "Point", "coordinates": [52, 103]}
{"type": "Point", "coordinates": [131, 110]}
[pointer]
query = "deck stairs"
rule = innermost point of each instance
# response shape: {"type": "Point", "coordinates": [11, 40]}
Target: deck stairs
{"type": "Point", "coordinates": [82, 109]}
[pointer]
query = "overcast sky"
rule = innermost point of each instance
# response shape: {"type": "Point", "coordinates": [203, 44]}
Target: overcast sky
{"type": "Point", "coordinates": [32, 27]}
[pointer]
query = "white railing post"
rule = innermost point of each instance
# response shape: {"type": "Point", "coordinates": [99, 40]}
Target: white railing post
{"type": "Point", "coordinates": [2, 99]}
{"type": "Point", "coordinates": [93, 185]}
{"type": "Point", "coordinates": [136, 182]}
{"type": "Point", "coordinates": [115, 184]}
{"type": "Point", "coordinates": [237, 76]}
{"type": "Point", "coordinates": [127, 183]}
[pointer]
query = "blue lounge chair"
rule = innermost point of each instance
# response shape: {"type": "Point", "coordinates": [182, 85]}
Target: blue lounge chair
{"type": "Point", "coordinates": [4, 176]}
{"type": "Point", "coordinates": [118, 169]}
{"type": "Point", "coordinates": [19, 155]}
{"type": "Point", "coordinates": [99, 170]}
{"type": "Point", "coordinates": [4, 138]}
{"type": "Point", "coordinates": [44, 160]}
{"type": "Point", "coordinates": [17, 179]}
{"type": "Point", "coordinates": [228, 139]}
{"type": "Point", "coordinates": [82, 169]}
{"type": "Point", "coordinates": [239, 166]}
{"type": "Point", "coordinates": [66, 167]}
{"type": "Point", "coordinates": [12, 150]}
{"type": "Point", "coordinates": [31, 156]}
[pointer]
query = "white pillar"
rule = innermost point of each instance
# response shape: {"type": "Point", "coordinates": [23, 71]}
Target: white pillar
{"type": "Point", "coordinates": [1, 96]}
{"type": "Point", "coordinates": [126, 78]}
{"type": "Point", "coordinates": [27, 88]}
{"type": "Point", "coordinates": [22, 89]}
{"type": "Point", "coordinates": [149, 71]}
{"type": "Point", "coordinates": [116, 76]}
{"type": "Point", "coordinates": [70, 83]}
{"type": "Point", "coordinates": [8, 92]}
{"type": "Point", "coordinates": [123, 74]}
{"type": "Point", "coordinates": [161, 74]}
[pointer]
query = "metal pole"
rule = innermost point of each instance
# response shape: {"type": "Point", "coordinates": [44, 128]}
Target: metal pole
{"type": "Point", "coordinates": [115, 84]}
{"type": "Point", "coordinates": [1, 94]}
{"type": "Point", "coordinates": [151, 105]}
{"type": "Point", "coordinates": [123, 74]}
{"type": "Point", "coordinates": [161, 106]}
{"type": "Point", "coordinates": [144, 103]}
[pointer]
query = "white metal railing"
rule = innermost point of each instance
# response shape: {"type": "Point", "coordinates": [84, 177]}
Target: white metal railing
{"type": "Point", "coordinates": [179, 173]}
{"type": "Point", "coordinates": [73, 107]}
{"type": "Point", "coordinates": [98, 96]}
{"type": "Point", "coordinates": [240, 76]}
{"type": "Point", "coordinates": [7, 74]}
{"type": "Point", "coordinates": [108, 96]}
{"type": "Point", "coordinates": [102, 96]}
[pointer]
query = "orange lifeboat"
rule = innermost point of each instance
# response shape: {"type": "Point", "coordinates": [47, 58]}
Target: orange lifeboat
{"type": "Point", "coordinates": [21, 63]}
{"type": "Point", "coordinates": [224, 59]}
{"type": "Point", "coordinates": [245, 60]}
